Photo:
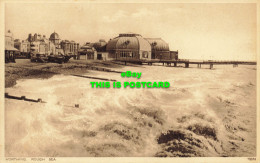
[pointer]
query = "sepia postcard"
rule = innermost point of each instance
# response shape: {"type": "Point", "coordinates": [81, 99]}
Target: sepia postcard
{"type": "Point", "coordinates": [129, 81]}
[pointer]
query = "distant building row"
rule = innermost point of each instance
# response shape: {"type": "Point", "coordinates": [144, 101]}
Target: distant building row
{"type": "Point", "coordinates": [126, 46]}
{"type": "Point", "coordinates": [39, 44]}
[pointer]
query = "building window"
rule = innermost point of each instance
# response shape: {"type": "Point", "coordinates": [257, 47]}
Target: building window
{"type": "Point", "coordinates": [145, 54]}
{"type": "Point", "coordinates": [126, 54]}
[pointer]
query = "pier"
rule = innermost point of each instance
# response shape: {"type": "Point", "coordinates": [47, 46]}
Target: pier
{"type": "Point", "coordinates": [187, 63]}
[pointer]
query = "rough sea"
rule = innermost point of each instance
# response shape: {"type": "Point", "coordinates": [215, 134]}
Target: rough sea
{"type": "Point", "coordinates": [203, 113]}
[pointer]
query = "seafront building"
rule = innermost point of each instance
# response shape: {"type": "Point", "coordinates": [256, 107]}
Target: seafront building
{"type": "Point", "coordinates": [94, 51]}
{"type": "Point", "coordinates": [65, 47]}
{"type": "Point", "coordinates": [161, 50]}
{"type": "Point", "coordinates": [100, 47]}
{"type": "Point", "coordinates": [87, 52]}
{"type": "Point", "coordinates": [10, 50]}
{"type": "Point", "coordinates": [69, 47]}
{"type": "Point", "coordinates": [23, 46]}
{"type": "Point", "coordinates": [131, 46]}
{"type": "Point", "coordinates": [40, 44]}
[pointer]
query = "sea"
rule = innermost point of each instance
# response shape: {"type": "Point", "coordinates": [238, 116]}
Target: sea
{"type": "Point", "coordinates": [204, 113]}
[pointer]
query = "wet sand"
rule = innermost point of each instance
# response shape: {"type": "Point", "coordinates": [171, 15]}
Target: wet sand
{"type": "Point", "coordinates": [24, 69]}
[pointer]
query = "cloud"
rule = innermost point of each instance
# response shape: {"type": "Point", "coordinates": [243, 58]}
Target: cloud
{"type": "Point", "coordinates": [120, 14]}
{"type": "Point", "coordinates": [144, 12]}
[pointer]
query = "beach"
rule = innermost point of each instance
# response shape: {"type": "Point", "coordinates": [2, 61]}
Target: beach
{"type": "Point", "coordinates": [24, 69]}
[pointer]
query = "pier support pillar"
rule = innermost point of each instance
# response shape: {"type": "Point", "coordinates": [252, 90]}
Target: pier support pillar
{"type": "Point", "coordinates": [211, 66]}
{"type": "Point", "coordinates": [187, 65]}
{"type": "Point", "coordinates": [235, 65]}
{"type": "Point", "coordinates": [175, 64]}
{"type": "Point", "coordinates": [163, 63]}
{"type": "Point", "coordinates": [125, 62]}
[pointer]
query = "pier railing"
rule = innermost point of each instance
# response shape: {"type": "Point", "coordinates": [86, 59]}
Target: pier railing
{"type": "Point", "coordinates": [187, 62]}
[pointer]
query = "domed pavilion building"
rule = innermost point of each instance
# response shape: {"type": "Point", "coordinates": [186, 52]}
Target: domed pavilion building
{"type": "Point", "coordinates": [133, 47]}
{"type": "Point", "coordinates": [160, 49]}
{"type": "Point", "coordinates": [129, 46]}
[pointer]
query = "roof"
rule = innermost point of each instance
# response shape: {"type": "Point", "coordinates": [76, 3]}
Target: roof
{"type": "Point", "coordinates": [85, 47]}
{"type": "Point", "coordinates": [158, 44]}
{"type": "Point", "coordinates": [99, 44]}
{"type": "Point", "coordinates": [54, 36]}
{"type": "Point", "coordinates": [130, 34]}
{"type": "Point", "coordinates": [102, 40]}
{"type": "Point", "coordinates": [129, 42]}
{"type": "Point", "coordinates": [10, 48]}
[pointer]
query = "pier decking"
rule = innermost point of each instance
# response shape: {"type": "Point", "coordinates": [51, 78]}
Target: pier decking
{"type": "Point", "coordinates": [188, 62]}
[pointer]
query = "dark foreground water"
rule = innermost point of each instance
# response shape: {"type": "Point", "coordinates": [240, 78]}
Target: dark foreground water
{"type": "Point", "coordinates": [204, 113]}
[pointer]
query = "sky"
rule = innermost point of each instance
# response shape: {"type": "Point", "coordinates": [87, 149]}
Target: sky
{"type": "Point", "coordinates": [223, 31]}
